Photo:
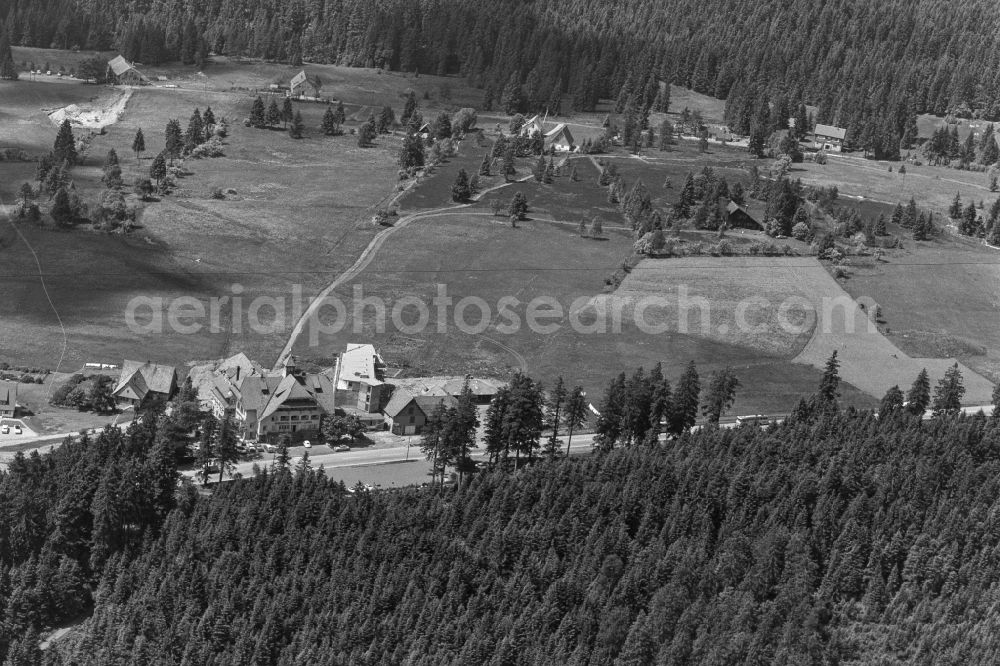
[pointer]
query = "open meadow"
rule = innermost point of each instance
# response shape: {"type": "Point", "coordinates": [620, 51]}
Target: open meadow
{"type": "Point", "coordinates": [298, 211]}
{"type": "Point", "coordinates": [474, 255]}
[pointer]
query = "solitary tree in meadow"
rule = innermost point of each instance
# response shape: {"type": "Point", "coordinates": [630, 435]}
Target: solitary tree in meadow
{"type": "Point", "coordinates": [138, 144]}
{"type": "Point", "coordinates": [461, 191]}
{"type": "Point", "coordinates": [158, 169]}
{"type": "Point", "coordinates": [296, 126]}
{"type": "Point", "coordinates": [258, 117]}
{"type": "Point", "coordinates": [64, 148]}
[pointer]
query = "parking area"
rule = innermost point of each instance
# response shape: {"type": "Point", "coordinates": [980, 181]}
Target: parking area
{"type": "Point", "coordinates": [14, 430]}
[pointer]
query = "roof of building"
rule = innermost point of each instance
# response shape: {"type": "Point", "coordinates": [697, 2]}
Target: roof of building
{"type": "Point", "coordinates": [254, 391]}
{"type": "Point", "coordinates": [242, 363]}
{"type": "Point", "coordinates": [143, 378]}
{"type": "Point", "coordinates": [360, 362]}
{"type": "Point", "coordinates": [288, 389]}
{"type": "Point", "coordinates": [8, 393]}
{"type": "Point", "coordinates": [441, 386]}
{"type": "Point", "coordinates": [119, 65]}
{"type": "Point", "coordinates": [830, 131]}
{"type": "Point", "coordinates": [426, 403]}
{"type": "Point", "coordinates": [267, 394]}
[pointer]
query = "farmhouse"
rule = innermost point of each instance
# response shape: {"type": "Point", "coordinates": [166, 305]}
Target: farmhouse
{"type": "Point", "coordinates": [407, 414]}
{"type": "Point", "coordinates": [483, 390]}
{"type": "Point", "coordinates": [828, 137]}
{"type": "Point", "coordinates": [737, 217]}
{"type": "Point", "coordinates": [8, 399]}
{"type": "Point", "coordinates": [559, 138]}
{"type": "Point", "coordinates": [142, 382]}
{"type": "Point", "coordinates": [125, 73]}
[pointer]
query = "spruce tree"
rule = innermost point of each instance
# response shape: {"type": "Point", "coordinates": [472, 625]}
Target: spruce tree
{"type": "Point", "coordinates": [461, 191]}
{"type": "Point", "coordinates": [62, 210]}
{"type": "Point", "coordinates": [273, 114]}
{"type": "Point", "coordinates": [948, 393]}
{"type": "Point", "coordinates": [158, 169]}
{"type": "Point", "coordinates": [918, 398]}
{"type": "Point", "coordinates": [829, 384]}
{"type": "Point", "coordinates": [257, 116]}
{"type": "Point", "coordinates": [484, 166]}
{"type": "Point", "coordinates": [287, 113]}
{"type": "Point", "coordinates": [195, 133]}
{"type": "Point", "coordinates": [174, 141]}
{"type": "Point", "coordinates": [685, 400]}
{"type": "Point", "coordinates": [721, 394]}
{"type": "Point", "coordinates": [138, 144]}
{"type": "Point", "coordinates": [329, 125]}
{"type": "Point", "coordinates": [64, 149]}
{"type": "Point", "coordinates": [575, 413]}
{"type": "Point", "coordinates": [411, 154]}
{"type": "Point", "coordinates": [892, 402]}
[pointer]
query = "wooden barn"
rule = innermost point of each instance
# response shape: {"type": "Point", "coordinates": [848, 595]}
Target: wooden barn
{"type": "Point", "coordinates": [125, 73]}
{"type": "Point", "coordinates": [737, 217]}
{"type": "Point", "coordinates": [559, 138]}
{"type": "Point", "coordinates": [828, 137]}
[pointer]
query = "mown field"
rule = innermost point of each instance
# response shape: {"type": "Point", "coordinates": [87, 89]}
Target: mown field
{"type": "Point", "coordinates": [940, 298]}
{"type": "Point", "coordinates": [474, 255]}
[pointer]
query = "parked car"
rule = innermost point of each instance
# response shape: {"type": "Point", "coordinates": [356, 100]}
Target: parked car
{"type": "Point", "coordinates": [212, 467]}
{"type": "Point", "coordinates": [307, 444]}
{"type": "Point", "coordinates": [4, 429]}
{"type": "Point", "coordinates": [270, 448]}
{"type": "Point", "coordinates": [17, 429]}
{"type": "Point", "coordinates": [341, 448]}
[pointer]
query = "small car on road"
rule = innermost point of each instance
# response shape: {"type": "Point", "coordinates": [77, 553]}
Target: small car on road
{"type": "Point", "coordinates": [341, 448]}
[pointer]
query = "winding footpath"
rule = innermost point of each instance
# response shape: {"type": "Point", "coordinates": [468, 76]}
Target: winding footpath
{"type": "Point", "coordinates": [366, 258]}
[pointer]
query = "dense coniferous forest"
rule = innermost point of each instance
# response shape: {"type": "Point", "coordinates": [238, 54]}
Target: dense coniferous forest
{"type": "Point", "coordinates": [830, 538]}
{"type": "Point", "coordinates": [854, 59]}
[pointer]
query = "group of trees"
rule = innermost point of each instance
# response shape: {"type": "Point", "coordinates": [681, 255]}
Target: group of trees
{"type": "Point", "coordinates": [290, 119]}
{"type": "Point", "coordinates": [971, 223]}
{"type": "Point", "coordinates": [824, 538]}
{"type": "Point", "coordinates": [945, 147]}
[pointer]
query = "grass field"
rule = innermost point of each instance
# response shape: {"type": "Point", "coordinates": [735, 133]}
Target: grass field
{"type": "Point", "coordinates": [939, 298]}
{"type": "Point", "coordinates": [822, 316]}
{"type": "Point", "coordinates": [301, 212]}
{"type": "Point", "coordinates": [474, 255]}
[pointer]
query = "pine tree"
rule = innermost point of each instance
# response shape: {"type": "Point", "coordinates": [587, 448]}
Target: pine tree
{"type": "Point", "coordinates": [409, 108]}
{"type": "Point", "coordinates": [174, 140]}
{"type": "Point", "coordinates": [257, 117]}
{"type": "Point", "coordinates": [948, 393]}
{"type": "Point", "coordinates": [955, 210]}
{"type": "Point", "coordinates": [829, 384]}
{"type": "Point", "coordinates": [64, 149]}
{"type": "Point", "coordinates": [461, 191]}
{"type": "Point", "coordinates": [62, 210]}
{"type": "Point", "coordinates": [208, 119]}
{"type": "Point", "coordinates": [329, 125]}
{"type": "Point", "coordinates": [287, 113]}
{"type": "Point", "coordinates": [518, 207]}
{"type": "Point", "coordinates": [555, 404]}
{"type": "Point", "coordinates": [721, 394]}
{"type": "Point", "coordinates": [918, 398]}
{"type": "Point", "coordinates": [296, 126]}
{"type": "Point", "coordinates": [892, 402]}
{"type": "Point", "coordinates": [158, 169]}
{"type": "Point", "coordinates": [575, 413]}
{"type": "Point", "coordinates": [195, 133]}
{"type": "Point", "coordinates": [138, 144]}
{"type": "Point", "coordinates": [273, 114]}
{"type": "Point", "coordinates": [685, 400]}
{"type": "Point", "coordinates": [366, 134]}
{"type": "Point", "coordinates": [411, 154]}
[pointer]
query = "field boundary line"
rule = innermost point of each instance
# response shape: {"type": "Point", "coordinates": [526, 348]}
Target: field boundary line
{"type": "Point", "coordinates": [45, 289]}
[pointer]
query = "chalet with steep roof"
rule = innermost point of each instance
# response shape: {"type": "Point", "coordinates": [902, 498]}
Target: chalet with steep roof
{"type": "Point", "coordinates": [828, 137]}
{"type": "Point", "coordinates": [8, 399]}
{"type": "Point", "coordinates": [140, 383]}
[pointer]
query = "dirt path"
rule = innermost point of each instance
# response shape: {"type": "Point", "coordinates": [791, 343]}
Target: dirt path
{"type": "Point", "coordinates": [366, 257]}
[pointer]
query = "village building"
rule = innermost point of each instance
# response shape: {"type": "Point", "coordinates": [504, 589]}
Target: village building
{"type": "Point", "coordinates": [140, 383]}
{"type": "Point", "coordinates": [291, 403]}
{"type": "Point", "coordinates": [482, 390]}
{"type": "Point", "coordinates": [407, 414]}
{"type": "Point", "coordinates": [125, 73]}
{"type": "Point", "coordinates": [559, 139]}
{"type": "Point", "coordinates": [828, 137]}
{"type": "Point", "coordinates": [8, 399]}
{"type": "Point", "coordinates": [361, 373]}
{"type": "Point", "coordinates": [737, 217]}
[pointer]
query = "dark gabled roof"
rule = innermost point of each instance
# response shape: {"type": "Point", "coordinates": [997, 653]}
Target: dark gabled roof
{"type": "Point", "coordinates": [8, 393]}
{"type": "Point", "coordinates": [830, 131]}
{"type": "Point", "coordinates": [398, 402]}
{"type": "Point", "coordinates": [146, 377]}
{"type": "Point", "coordinates": [428, 403]}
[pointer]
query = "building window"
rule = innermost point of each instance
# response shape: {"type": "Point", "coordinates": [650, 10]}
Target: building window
{"type": "Point", "coordinates": [283, 418]}
{"type": "Point", "coordinates": [412, 418]}
{"type": "Point", "coordinates": [295, 417]}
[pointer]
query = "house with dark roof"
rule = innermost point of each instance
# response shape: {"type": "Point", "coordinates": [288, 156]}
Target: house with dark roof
{"type": "Point", "coordinates": [292, 403]}
{"type": "Point", "coordinates": [828, 137]}
{"type": "Point", "coordinates": [125, 73]}
{"type": "Point", "coordinates": [559, 138]}
{"type": "Point", "coordinates": [737, 217]}
{"type": "Point", "coordinates": [140, 383]}
{"type": "Point", "coordinates": [407, 413]}
{"type": "Point", "coordinates": [8, 399]}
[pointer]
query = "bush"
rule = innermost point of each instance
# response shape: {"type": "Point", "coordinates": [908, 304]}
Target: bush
{"type": "Point", "coordinates": [217, 193]}
{"type": "Point", "coordinates": [800, 231]}
{"type": "Point", "coordinates": [211, 148]}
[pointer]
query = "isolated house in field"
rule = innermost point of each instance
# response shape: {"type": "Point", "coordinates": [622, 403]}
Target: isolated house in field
{"type": "Point", "coordinates": [737, 217]}
{"type": "Point", "coordinates": [8, 399]}
{"type": "Point", "coordinates": [828, 137]}
{"type": "Point", "coordinates": [125, 73]}
{"type": "Point", "coordinates": [142, 382]}
{"type": "Point", "coordinates": [559, 138]}
{"type": "Point", "coordinates": [407, 414]}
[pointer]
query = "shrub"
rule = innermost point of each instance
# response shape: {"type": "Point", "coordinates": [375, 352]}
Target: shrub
{"type": "Point", "coordinates": [217, 193]}
{"type": "Point", "coordinates": [800, 231]}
